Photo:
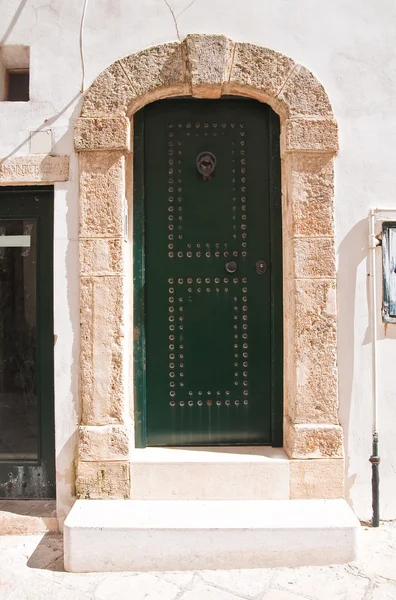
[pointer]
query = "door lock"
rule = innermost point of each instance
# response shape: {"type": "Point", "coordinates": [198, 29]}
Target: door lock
{"type": "Point", "coordinates": [261, 267]}
{"type": "Point", "coordinates": [231, 266]}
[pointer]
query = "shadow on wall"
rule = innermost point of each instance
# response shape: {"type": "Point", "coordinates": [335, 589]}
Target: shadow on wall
{"type": "Point", "coordinates": [48, 122]}
{"type": "Point", "coordinates": [14, 20]}
{"type": "Point", "coordinates": [66, 449]}
{"type": "Point", "coordinates": [352, 252]}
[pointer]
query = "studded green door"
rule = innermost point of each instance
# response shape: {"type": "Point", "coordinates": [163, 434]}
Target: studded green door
{"type": "Point", "coordinates": [208, 281]}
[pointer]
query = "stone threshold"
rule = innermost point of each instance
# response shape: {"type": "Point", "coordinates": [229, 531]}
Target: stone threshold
{"type": "Point", "coordinates": [210, 473]}
{"type": "Point", "coordinates": [28, 517]}
{"type": "Point", "coordinates": [133, 535]}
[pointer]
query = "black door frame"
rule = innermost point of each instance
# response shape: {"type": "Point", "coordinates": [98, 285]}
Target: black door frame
{"type": "Point", "coordinates": [276, 274]}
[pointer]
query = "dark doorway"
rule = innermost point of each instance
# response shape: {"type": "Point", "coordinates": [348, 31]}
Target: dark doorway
{"type": "Point", "coordinates": [27, 437]}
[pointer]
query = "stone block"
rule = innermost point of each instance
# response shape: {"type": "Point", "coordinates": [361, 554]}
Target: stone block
{"type": "Point", "coordinates": [108, 442]}
{"type": "Point", "coordinates": [317, 478]}
{"type": "Point", "coordinates": [209, 60]}
{"type": "Point", "coordinates": [158, 69]}
{"type": "Point", "coordinates": [314, 135]}
{"type": "Point", "coordinates": [110, 94]}
{"type": "Point", "coordinates": [103, 351]}
{"type": "Point", "coordinates": [309, 183]}
{"type": "Point", "coordinates": [304, 95]}
{"type": "Point", "coordinates": [103, 480]}
{"type": "Point", "coordinates": [34, 169]}
{"type": "Point", "coordinates": [314, 257]}
{"type": "Point", "coordinates": [313, 440]}
{"type": "Point", "coordinates": [100, 133]}
{"type": "Point", "coordinates": [102, 256]}
{"type": "Point", "coordinates": [260, 69]}
{"type": "Point", "coordinates": [313, 364]}
{"type": "Point", "coordinates": [102, 193]}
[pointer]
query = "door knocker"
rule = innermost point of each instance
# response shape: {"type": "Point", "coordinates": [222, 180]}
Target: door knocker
{"type": "Point", "coordinates": [206, 164]}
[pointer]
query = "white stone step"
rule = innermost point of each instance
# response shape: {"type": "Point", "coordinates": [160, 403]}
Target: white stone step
{"type": "Point", "coordinates": [206, 473]}
{"type": "Point", "coordinates": [161, 535]}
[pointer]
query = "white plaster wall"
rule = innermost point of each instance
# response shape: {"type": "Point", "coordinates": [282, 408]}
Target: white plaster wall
{"type": "Point", "coordinates": [349, 46]}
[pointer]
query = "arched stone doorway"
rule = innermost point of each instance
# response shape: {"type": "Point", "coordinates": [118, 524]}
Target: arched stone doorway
{"type": "Point", "coordinates": [208, 66]}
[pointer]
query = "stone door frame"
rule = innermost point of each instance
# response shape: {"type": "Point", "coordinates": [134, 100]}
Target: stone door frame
{"type": "Point", "coordinates": [208, 66]}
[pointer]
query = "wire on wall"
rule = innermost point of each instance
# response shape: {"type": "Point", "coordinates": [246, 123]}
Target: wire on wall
{"type": "Point", "coordinates": [82, 45]}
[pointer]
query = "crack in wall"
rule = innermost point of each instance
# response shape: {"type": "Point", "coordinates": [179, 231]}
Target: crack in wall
{"type": "Point", "coordinates": [174, 19]}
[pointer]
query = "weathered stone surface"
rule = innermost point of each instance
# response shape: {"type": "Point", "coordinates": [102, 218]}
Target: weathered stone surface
{"type": "Point", "coordinates": [110, 94]}
{"type": "Point", "coordinates": [260, 68]}
{"type": "Point", "coordinates": [209, 60]}
{"type": "Point", "coordinates": [309, 183]}
{"type": "Point", "coordinates": [100, 133]}
{"type": "Point", "coordinates": [314, 257]}
{"type": "Point", "coordinates": [313, 441]}
{"type": "Point", "coordinates": [319, 478]}
{"type": "Point", "coordinates": [304, 95]}
{"type": "Point", "coordinates": [102, 350]}
{"type": "Point", "coordinates": [100, 480]}
{"type": "Point", "coordinates": [158, 68]}
{"type": "Point", "coordinates": [319, 135]}
{"type": "Point", "coordinates": [102, 256]}
{"type": "Point", "coordinates": [314, 360]}
{"type": "Point", "coordinates": [34, 169]}
{"type": "Point", "coordinates": [142, 586]}
{"type": "Point", "coordinates": [102, 193]}
{"type": "Point", "coordinates": [108, 442]}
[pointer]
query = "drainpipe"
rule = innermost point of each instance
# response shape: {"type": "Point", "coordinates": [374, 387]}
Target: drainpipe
{"type": "Point", "coordinates": [374, 458]}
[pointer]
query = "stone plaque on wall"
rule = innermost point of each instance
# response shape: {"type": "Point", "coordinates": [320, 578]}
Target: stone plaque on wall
{"type": "Point", "coordinates": [34, 169]}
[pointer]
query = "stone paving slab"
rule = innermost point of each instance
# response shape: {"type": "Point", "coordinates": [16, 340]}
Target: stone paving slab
{"type": "Point", "coordinates": [31, 568]}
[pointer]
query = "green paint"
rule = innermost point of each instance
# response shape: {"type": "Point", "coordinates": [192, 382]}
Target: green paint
{"type": "Point", "coordinates": [208, 357]}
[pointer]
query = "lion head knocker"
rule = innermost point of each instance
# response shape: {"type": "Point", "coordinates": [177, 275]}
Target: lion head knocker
{"type": "Point", "coordinates": [206, 164]}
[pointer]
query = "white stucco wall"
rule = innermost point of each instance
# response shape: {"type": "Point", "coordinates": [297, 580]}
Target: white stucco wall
{"type": "Point", "coordinates": [349, 46]}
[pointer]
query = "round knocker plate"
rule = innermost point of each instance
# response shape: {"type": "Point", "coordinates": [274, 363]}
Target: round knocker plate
{"type": "Point", "coordinates": [206, 164]}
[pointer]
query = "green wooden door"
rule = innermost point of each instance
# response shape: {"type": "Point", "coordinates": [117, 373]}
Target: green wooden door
{"type": "Point", "coordinates": [27, 446]}
{"type": "Point", "coordinates": [208, 301]}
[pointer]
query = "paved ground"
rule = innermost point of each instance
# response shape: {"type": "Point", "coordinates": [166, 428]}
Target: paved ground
{"type": "Point", "coordinates": [32, 567]}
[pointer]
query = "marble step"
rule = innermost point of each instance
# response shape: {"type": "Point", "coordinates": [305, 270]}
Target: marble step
{"type": "Point", "coordinates": [206, 473]}
{"type": "Point", "coordinates": [162, 535]}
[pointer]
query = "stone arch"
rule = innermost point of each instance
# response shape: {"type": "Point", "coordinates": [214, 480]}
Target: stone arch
{"type": "Point", "coordinates": [209, 66]}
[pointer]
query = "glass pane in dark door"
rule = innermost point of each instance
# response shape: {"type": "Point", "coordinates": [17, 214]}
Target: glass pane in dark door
{"type": "Point", "coordinates": [18, 394]}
